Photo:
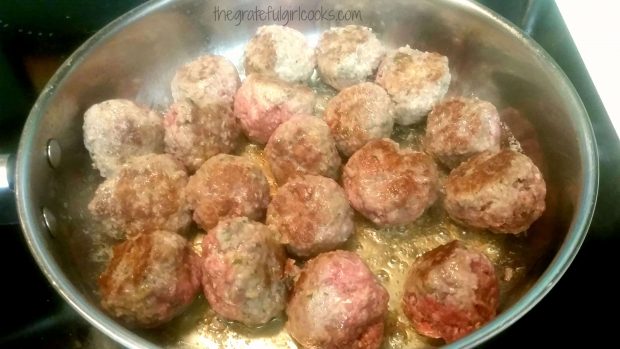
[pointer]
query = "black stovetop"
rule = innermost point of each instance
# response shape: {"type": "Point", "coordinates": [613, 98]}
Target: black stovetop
{"type": "Point", "coordinates": [37, 35]}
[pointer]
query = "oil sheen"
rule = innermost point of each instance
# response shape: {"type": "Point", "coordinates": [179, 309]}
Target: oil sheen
{"type": "Point", "coordinates": [389, 252]}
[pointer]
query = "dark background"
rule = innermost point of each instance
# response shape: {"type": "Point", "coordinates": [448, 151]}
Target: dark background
{"type": "Point", "coordinates": [35, 38]}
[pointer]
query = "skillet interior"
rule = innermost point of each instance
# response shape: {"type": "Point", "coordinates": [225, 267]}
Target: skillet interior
{"type": "Point", "coordinates": [487, 59]}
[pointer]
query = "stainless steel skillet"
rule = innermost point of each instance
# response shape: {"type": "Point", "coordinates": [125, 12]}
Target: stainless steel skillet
{"type": "Point", "coordinates": [135, 57]}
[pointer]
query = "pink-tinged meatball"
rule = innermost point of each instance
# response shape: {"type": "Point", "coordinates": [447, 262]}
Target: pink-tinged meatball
{"type": "Point", "coordinates": [415, 80]}
{"type": "Point", "coordinates": [118, 129]}
{"type": "Point", "coordinates": [336, 303]}
{"type": "Point", "coordinates": [147, 194]}
{"type": "Point", "coordinates": [194, 134]}
{"type": "Point", "coordinates": [263, 103]}
{"type": "Point", "coordinates": [502, 191]}
{"type": "Point", "coordinates": [359, 114]}
{"type": "Point", "coordinates": [208, 79]}
{"type": "Point", "coordinates": [302, 145]}
{"type": "Point", "coordinates": [281, 52]}
{"type": "Point", "coordinates": [150, 279]}
{"type": "Point", "coordinates": [348, 55]}
{"type": "Point", "coordinates": [459, 128]}
{"type": "Point", "coordinates": [451, 291]}
{"type": "Point", "coordinates": [243, 271]}
{"type": "Point", "coordinates": [389, 185]}
{"type": "Point", "coordinates": [312, 214]}
{"type": "Point", "coordinates": [227, 186]}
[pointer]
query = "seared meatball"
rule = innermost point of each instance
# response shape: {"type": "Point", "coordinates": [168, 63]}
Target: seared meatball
{"type": "Point", "coordinates": [461, 127]}
{"type": "Point", "coordinates": [281, 52]}
{"type": "Point", "coordinates": [312, 214]}
{"type": "Point", "coordinates": [147, 194]}
{"type": "Point", "coordinates": [118, 129]}
{"type": "Point", "coordinates": [415, 80]}
{"type": "Point", "coordinates": [195, 134]}
{"type": "Point", "coordinates": [243, 271]}
{"type": "Point", "coordinates": [263, 103]}
{"type": "Point", "coordinates": [451, 291]}
{"type": "Point", "coordinates": [206, 80]}
{"type": "Point", "coordinates": [337, 302]}
{"type": "Point", "coordinates": [150, 279]}
{"type": "Point", "coordinates": [302, 145]}
{"type": "Point", "coordinates": [227, 186]}
{"type": "Point", "coordinates": [348, 55]}
{"type": "Point", "coordinates": [389, 185]}
{"type": "Point", "coordinates": [359, 114]}
{"type": "Point", "coordinates": [503, 192]}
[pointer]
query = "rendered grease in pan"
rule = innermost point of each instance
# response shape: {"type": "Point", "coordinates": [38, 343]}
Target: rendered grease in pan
{"type": "Point", "coordinates": [388, 252]}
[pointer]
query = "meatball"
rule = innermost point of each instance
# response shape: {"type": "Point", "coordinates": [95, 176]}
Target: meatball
{"type": "Point", "coordinates": [359, 114]}
{"type": "Point", "coordinates": [451, 291]}
{"type": "Point", "coordinates": [194, 134]}
{"type": "Point", "coordinates": [337, 302]}
{"type": "Point", "coordinates": [147, 194]}
{"type": "Point", "coordinates": [118, 129]}
{"type": "Point", "coordinates": [415, 80]}
{"type": "Point", "coordinates": [389, 185]}
{"type": "Point", "coordinates": [461, 127]}
{"type": "Point", "coordinates": [281, 52]}
{"type": "Point", "coordinates": [502, 191]}
{"type": "Point", "coordinates": [348, 55]}
{"type": "Point", "coordinates": [302, 145]}
{"type": "Point", "coordinates": [150, 279]}
{"type": "Point", "coordinates": [312, 214]}
{"type": "Point", "coordinates": [243, 271]}
{"type": "Point", "coordinates": [227, 186]}
{"type": "Point", "coordinates": [209, 79]}
{"type": "Point", "coordinates": [263, 103]}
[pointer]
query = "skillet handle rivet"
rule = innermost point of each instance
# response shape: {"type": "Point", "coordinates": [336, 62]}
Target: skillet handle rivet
{"type": "Point", "coordinates": [54, 153]}
{"type": "Point", "coordinates": [50, 221]}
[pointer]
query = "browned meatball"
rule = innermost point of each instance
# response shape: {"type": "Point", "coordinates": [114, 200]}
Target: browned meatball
{"type": "Point", "coordinates": [147, 194]}
{"type": "Point", "coordinates": [459, 128]}
{"type": "Point", "coordinates": [312, 214]}
{"type": "Point", "coordinates": [192, 134]}
{"type": "Point", "coordinates": [243, 271]}
{"type": "Point", "coordinates": [359, 114]}
{"type": "Point", "coordinates": [150, 279]}
{"type": "Point", "coordinates": [302, 145]}
{"type": "Point", "coordinates": [227, 186]}
{"type": "Point", "coordinates": [451, 291]}
{"type": "Point", "coordinates": [389, 185]}
{"type": "Point", "coordinates": [337, 302]}
{"type": "Point", "coordinates": [503, 192]}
